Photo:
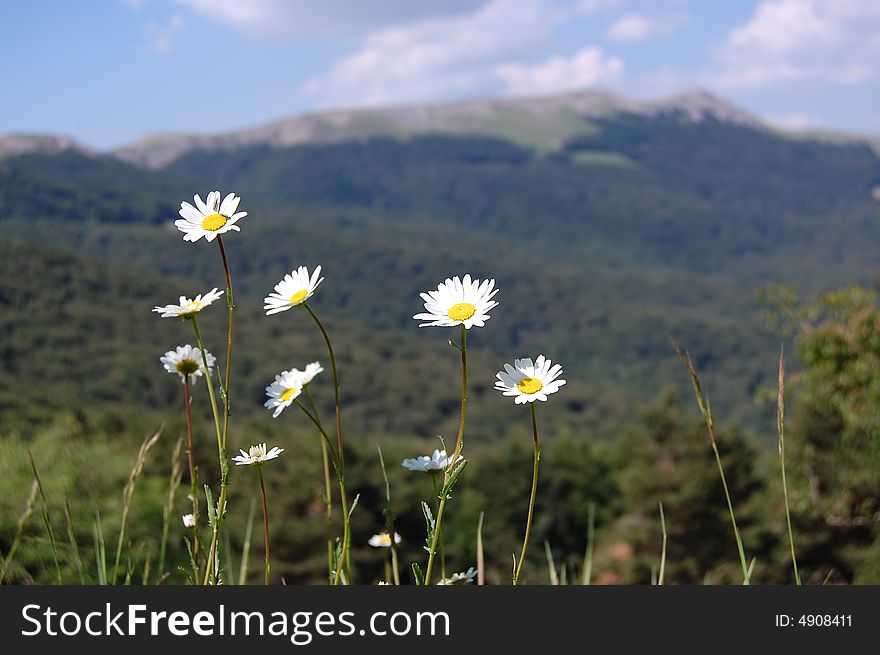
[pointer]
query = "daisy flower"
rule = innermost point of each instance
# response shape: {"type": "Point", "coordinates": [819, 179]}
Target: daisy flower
{"type": "Point", "coordinates": [187, 308]}
{"type": "Point", "coordinates": [187, 361]}
{"type": "Point", "coordinates": [293, 290]}
{"type": "Point", "coordinates": [458, 302]}
{"type": "Point", "coordinates": [209, 219]}
{"type": "Point", "coordinates": [383, 540]}
{"type": "Point", "coordinates": [433, 463]}
{"type": "Point", "coordinates": [256, 455]}
{"type": "Point", "coordinates": [189, 521]}
{"type": "Point", "coordinates": [287, 387]}
{"type": "Point", "coordinates": [527, 381]}
{"type": "Point", "coordinates": [466, 577]}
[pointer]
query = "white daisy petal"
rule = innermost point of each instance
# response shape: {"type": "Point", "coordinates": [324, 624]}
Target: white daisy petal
{"type": "Point", "coordinates": [529, 381]}
{"type": "Point", "coordinates": [209, 219]}
{"type": "Point", "coordinates": [457, 302]}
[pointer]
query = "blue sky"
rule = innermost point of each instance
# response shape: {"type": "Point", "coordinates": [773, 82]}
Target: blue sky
{"type": "Point", "coordinates": [109, 71]}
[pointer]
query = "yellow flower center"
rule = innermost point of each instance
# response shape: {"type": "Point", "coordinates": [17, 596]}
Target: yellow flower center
{"type": "Point", "coordinates": [213, 222]}
{"type": "Point", "coordinates": [384, 540]}
{"type": "Point", "coordinates": [187, 366]}
{"type": "Point", "coordinates": [299, 296]}
{"type": "Point", "coordinates": [461, 311]}
{"type": "Point", "coordinates": [288, 394]}
{"type": "Point", "coordinates": [529, 385]}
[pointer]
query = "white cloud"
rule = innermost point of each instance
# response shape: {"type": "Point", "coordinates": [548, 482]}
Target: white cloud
{"type": "Point", "coordinates": [161, 35]}
{"type": "Point", "coordinates": [632, 28]}
{"type": "Point", "coordinates": [302, 19]}
{"type": "Point", "coordinates": [832, 42]}
{"type": "Point", "coordinates": [585, 68]}
{"type": "Point", "coordinates": [436, 58]}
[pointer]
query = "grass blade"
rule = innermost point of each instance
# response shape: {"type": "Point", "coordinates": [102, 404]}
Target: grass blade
{"type": "Point", "coordinates": [100, 550]}
{"type": "Point", "coordinates": [174, 481]}
{"type": "Point", "coordinates": [587, 570]}
{"type": "Point", "coordinates": [19, 528]}
{"type": "Point", "coordinates": [481, 565]}
{"type": "Point", "coordinates": [780, 433]}
{"type": "Point", "coordinates": [706, 411]}
{"type": "Point", "coordinates": [663, 552]}
{"type": "Point", "coordinates": [246, 547]}
{"type": "Point", "coordinates": [128, 494]}
{"type": "Point", "coordinates": [551, 565]}
{"type": "Point", "coordinates": [71, 536]}
{"type": "Point", "coordinates": [46, 518]}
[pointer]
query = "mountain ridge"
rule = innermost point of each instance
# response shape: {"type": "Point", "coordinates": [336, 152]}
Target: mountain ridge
{"type": "Point", "coordinates": [543, 123]}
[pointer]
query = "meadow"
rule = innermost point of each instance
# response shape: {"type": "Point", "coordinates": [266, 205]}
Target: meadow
{"type": "Point", "coordinates": [654, 468]}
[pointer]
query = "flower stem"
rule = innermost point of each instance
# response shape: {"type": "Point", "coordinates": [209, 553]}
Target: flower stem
{"type": "Point", "coordinates": [340, 451]}
{"type": "Point", "coordinates": [210, 568]}
{"type": "Point", "coordinates": [231, 305]}
{"type": "Point", "coordinates": [340, 476]}
{"type": "Point", "coordinates": [459, 442]}
{"type": "Point", "coordinates": [265, 522]}
{"type": "Point", "coordinates": [328, 492]}
{"type": "Point", "coordinates": [192, 472]}
{"type": "Point", "coordinates": [440, 537]}
{"type": "Point", "coordinates": [339, 446]}
{"type": "Point", "coordinates": [534, 493]}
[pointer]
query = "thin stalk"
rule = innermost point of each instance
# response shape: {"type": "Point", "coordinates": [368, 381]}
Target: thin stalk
{"type": "Point", "coordinates": [340, 450]}
{"type": "Point", "coordinates": [459, 442]}
{"type": "Point", "coordinates": [173, 484]}
{"type": "Point", "coordinates": [46, 519]}
{"type": "Point", "coordinates": [231, 305]}
{"type": "Point", "coordinates": [706, 411]}
{"type": "Point", "coordinates": [328, 493]}
{"type": "Point", "coordinates": [210, 568]}
{"type": "Point", "coordinates": [128, 495]}
{"type": "Point", "coordinates": [193, 481]}
{"type": "Point", "coordinates": [481, 565]}
{"type": "Point", "coordinates": [440, 537]}
{"type": "Point", "coordinates": [71, 537]}
{"type": "Point", "coordinates": [100, 550]}
{"type": "Point", "coordinates": [780, 431]}
{"type": "Point", "coordinates": [19, 528]}
{"type": "Point", "coordinates": [663, 551]}
{"type": "Point", "coordinates": [265, 522]}
{"type": "Point", "coordinates": [246, 547]}
{"type": "Point", "coordinates": [587, 572]}
{"type": "Point", "coordinates": [537, 458]}
{"type": "Point", "coordinates": [340, 477]}
{"type": "Point", "coordinates": [389, 521]}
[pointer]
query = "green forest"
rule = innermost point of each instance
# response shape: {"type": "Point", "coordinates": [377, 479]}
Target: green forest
{"type": "Point", "coordinates": [732, 241]}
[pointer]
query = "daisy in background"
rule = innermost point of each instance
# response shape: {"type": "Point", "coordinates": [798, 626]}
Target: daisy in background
{"type": "Point", "coordinates": [187, 362]}
{"type": "Point", "coordinates": [383, 540]}
{"type": "Point", "coordinates": [529, 381]}
{"type": "Point", "coordinates": [189, 521]}
{"type": "Point", "coordinates": [432, 464]}
{"type": "Point", "coordinates": [256, 455]}
{"type": "Point", "coordinates": [186, 308]}
{"type": "Point", "coordinates": [296, 287]}
{"type": "Point", "coordinates": [464, 302]}
{"type": "Point", "coordinates": [209, 219]}
{"type": "Point", "coordinates": [288, 386]}
{"type": "Point", "coordinates": [467, 577]}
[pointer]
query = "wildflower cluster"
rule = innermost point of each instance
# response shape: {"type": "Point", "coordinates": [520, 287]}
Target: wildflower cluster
{"type": "Point", "coordinates": [457, 302]}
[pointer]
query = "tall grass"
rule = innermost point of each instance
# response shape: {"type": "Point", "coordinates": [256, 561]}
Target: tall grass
{"type": "Point", "coordinates": [706, 411]}
{"type": "Point", "coordinates": [780, 432]}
